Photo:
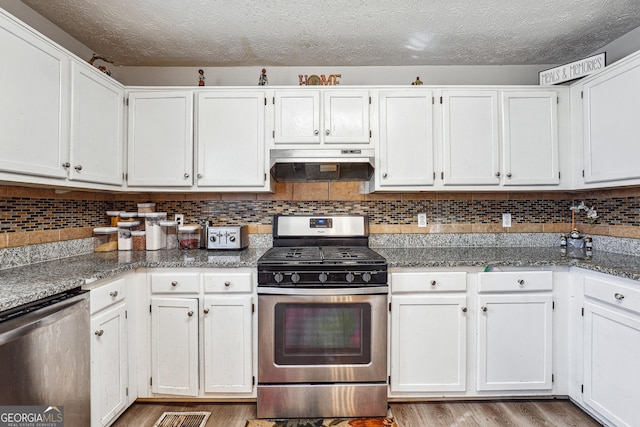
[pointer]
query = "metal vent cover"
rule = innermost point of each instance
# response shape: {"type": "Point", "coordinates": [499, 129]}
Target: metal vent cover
{"type": "Point", "coordinates": [183, 419]}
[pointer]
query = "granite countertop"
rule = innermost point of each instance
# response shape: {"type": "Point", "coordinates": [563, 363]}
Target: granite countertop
{"type": "Point", "coordinates": [29, 283]}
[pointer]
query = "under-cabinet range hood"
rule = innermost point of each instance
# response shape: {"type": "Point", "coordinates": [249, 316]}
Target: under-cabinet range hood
{"type": "Point", "coordinates": [302, 165]}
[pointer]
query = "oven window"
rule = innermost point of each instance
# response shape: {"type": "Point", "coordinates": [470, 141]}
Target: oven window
{"type": "Point", "coordinates": [322, 334]}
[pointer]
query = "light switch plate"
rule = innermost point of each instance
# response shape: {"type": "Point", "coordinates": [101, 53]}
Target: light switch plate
{"type": "Point", "coordinates": [506, 220]}
{"type": "Point", "coordinates": [422, 220]}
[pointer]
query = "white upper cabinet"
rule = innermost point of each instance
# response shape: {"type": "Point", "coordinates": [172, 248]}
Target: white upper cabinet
{"type": "Point", "coordinates": [314, 117]}
{"type": "Point", "coordinates": [530, 138]}
{"type": "Point", "coordinates": [231, 139]}
{"type": "Point", "coordinates": [34, 105]}
{"type": "Point", "coordinates": [611, 123]}
{"type": "Point", "coordinates": [405, 152]}
{"type": "Point", "coordinates": [96, 127]}
{"type": "Point", "coordinates": [471, 142]}
{"type": "Point", "coordinates": [160, 142]}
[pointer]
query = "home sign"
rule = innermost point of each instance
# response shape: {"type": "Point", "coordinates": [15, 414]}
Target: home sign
{"type": "Point", "coordinates": [573, 70]}
{"type": "Point", "coordinates": [315, 80]}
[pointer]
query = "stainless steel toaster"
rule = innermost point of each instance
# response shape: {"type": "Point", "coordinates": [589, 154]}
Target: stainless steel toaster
{"type": "Point", "coordinates": [227, 237]}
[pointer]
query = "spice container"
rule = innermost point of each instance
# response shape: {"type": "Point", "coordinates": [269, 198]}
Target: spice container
{"type": "Point", "coordinates": [156, 233]}
{"type": "Point", "coordinates": [115, 217]}
{"type": "Point", "coordinates": [170, 229]}
{"type": "Point", "coordinates": [105, 239]}
{"type": "Point", "coordinates": [146, 207]}
{"type": "Point", "coordinates": [138, 240]}
{"type": "Point", "coordinates": [124, 235]}
{"type": "Point", "coordinates": [188, 237]}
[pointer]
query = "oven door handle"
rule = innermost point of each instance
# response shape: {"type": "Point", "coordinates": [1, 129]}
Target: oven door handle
{"type": "Point", "coordinates": [372, 290]}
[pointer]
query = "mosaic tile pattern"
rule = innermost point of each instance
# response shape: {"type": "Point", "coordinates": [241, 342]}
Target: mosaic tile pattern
{"type": "Point", "coordinates": [32, 214]}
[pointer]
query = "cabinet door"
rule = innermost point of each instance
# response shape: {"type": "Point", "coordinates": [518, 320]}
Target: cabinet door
{"type": "Point", "coordinates": [108, 365]}
{"type": "Point", "coordinates": [611, 360]}
{"type": "Point", "coordinates": [471, 152]}
{"type": "Point", "coordinates": [406, 139]}
{"type": "Point", "coordinates": [514, 342]}
{"type": "Point", "coordinates": [297, 117]}
{"type": "Point", "coordinates": [611, 126]}
{"type": "Point", "coordinates": [228, 344]}
{"type": "Point", "coordinates": [230, 137]}
{"type": "Point", "coordinates": [34, 105]}
{"type": "Point", "coordinates": [346, 116]}
{"type": "Point", "coordinates": [174, 346]}
{"type": "Point", "coordinates": [530, 138]}
{"type": "Point", "coordinates": [96, 128]}
{"type": "Point", "coordinates": [428, 343]}
{"type": "Point", "coordinates": [160, 139]}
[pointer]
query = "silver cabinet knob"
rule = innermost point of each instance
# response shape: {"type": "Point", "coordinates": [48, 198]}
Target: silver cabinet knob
{"type": "Point", "coordinates": [227, 284]}
{"type": "Point", "coordinates": [498, 174]}
{"type": "Point", "coordinates": [99, 333]}
{"type": "Point", "coordinates": [521, 282]}
{"type": "Point", "coordinates": [186, 175]}
{"type": "Point", "coordinates": [78, 168]}
{"type": "Point", "coordinates": [199, 176]}
{"type": "Point", "coordinates": [327, 132]}
{"type": "Point", "coordinates": [316, 132]}
{"type": "Point", "coordinates": [206, 311]}
{"type": "Point", "coordinates": [483, 308]}
{"type": "Point", "coordinates": [174, 283]}
{"type": "Point", "coordinates": [113, 294]}
{"type": "Point", "coordinates": [433, 283]}
{"type": "Point", "coordinates": [190, 313]}
{"type": "Point", "coordinates": [464, 309]}
{"type": "Point", "coordinates": [618, 296]}
{"type": "Point", "coordinates": [509, 175]}
{"type": "Point", "coordinates": [66, 165]}
{"type": "Point", "coordinates": [384, 175]}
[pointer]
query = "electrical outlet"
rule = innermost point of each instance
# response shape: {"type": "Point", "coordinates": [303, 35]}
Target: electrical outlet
{"type": "Point", "coordinates": [422, 220]}
{"type": "Point", "coordinates": [506, 220]}
{"type": "Point", "coordinates": [179, 219]}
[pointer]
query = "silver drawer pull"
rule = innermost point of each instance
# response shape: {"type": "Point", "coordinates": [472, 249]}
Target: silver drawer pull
{"type": "Point", "coordinates": [483, 308]}
{"type": "Point", "coordinates": [433, 283]}
{"type": "Point", "coordinates": [521, 282]}
{"type": "Point", "coordinates": [174, 283]}
{"type": "Point", "coordinates": [227, 284]}
{"type": "Point", "coordinates": [99, 333]}
{"type": "Point", "coordinates": [113, 294]}
{"type": "Point", "coordinates": [618, 296]}
{"type": "Point", "coordinates": [464, 309]}
{"type": "Point", "coordinates": [206, 311]}
{"type": "Point", "coordinates": [190, 313]}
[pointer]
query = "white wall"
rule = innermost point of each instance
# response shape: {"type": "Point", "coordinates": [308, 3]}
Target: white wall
{"type": "Point", "coordinates": [621, 47]}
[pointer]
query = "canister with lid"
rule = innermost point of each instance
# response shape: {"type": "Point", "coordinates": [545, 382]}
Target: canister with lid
{"type": "Point", "coordinates": [105, 239]}
{"type": "Point", "coordinates": [124, 234]}
{"type": "Point", "coordinates": [170, 229]}
{"type": "Point", "coordinates": [189, 237]}
{"type": "Point", "coordinates": [138, 240]}
{"type": "Point", "coordinates": [156, 233]}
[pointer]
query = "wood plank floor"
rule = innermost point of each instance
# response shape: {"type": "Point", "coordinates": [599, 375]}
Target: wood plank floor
{"type": "Point", "coordinates": [506, 413]}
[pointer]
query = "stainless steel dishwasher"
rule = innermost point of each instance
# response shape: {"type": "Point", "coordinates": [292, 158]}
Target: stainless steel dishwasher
{"type": "Point", "coordinates": [45, 356]}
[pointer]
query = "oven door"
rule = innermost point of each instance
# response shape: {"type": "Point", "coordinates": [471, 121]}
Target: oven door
{"type": "Point", "coordinates": [322, 337]}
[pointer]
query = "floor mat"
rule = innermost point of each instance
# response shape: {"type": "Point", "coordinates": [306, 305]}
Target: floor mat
{"type": "Point", "coordinates": [182, 419]}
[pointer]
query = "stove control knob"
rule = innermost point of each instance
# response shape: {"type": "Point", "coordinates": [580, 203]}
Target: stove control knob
{"type": "Point", "coordinates": [323, 277]}
{"type": "Point", "coordinates": [350, 277]}
{"type": "Point", "coordinates": [366, 277]}
{"type": "Point", "coordinates": [295, 277]}
{"type": "Point", "coordinates": [232, 238]}
{"type": "Point", "coordinates": [212, 238]}
{"type": "Point", "coordinates": [278, 277]}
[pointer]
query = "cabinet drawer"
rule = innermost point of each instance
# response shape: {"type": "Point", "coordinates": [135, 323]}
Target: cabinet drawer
{"type": "Point", "coordinates": [228, 282]}
{"type": "Point", "coordinates": [175, 283]}
{"type": "Point", "coordinates": [515, 281]}
{"type": "Point", "coordinates": [613, 292]}
{"type": "Point", "coordinates": [106, 295]}
{"type": "Point", "coordinates": [422, 281]}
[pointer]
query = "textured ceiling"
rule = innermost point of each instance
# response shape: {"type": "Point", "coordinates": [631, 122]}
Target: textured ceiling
{"type": "Point", "coordinates": [341, 33]}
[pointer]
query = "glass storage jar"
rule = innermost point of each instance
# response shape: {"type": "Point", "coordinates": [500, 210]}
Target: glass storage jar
{"type": "Point", "coordinates": [188, 237]}
{"type": "Point", "coordinates": [138, 240]}
{"type": "Point", "coordinates": [124, 234]}
{"type": "Point", "coordinates": [156, 233]}
{"type": "Point", "coordinates": [105, 239]}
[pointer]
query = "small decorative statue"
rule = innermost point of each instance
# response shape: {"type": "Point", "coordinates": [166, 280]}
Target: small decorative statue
{"type": "Point", "coordinates": [201, 77]}
{"type": "Point", "coordinates": [418, 82]}
{"type": "Point", "coordinates": [263, 80]}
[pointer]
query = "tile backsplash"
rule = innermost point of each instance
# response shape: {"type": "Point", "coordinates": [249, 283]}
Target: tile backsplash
{"type": "Point", "coordinates": [30, 216]}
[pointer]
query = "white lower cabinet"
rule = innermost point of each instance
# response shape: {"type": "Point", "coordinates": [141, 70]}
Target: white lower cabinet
{"type": "Point", "coordinates": [612, 349]}
{"type": "Point", "coordinates": [428, 332]}
{"type": "Point", "coordinates": [174, 346]}
{"type": "Point", "coordinates": [515, 311]}
{"type": "Point", "coordinates": [109, 355]}
{"type": "Point", "coordinates": [202, 341]}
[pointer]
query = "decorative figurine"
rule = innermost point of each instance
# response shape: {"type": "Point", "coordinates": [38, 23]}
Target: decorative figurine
{"type": "Point", "coordinates": [201, 78]}
{"type": "Point", "coordinates": [101, 67]}
{"type": "Point", "coordinates": [418, 82]}
{"type": "Point", "coordinates": [263, 80]}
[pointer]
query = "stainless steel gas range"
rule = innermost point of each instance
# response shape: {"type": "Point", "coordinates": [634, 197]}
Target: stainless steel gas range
{"type": "Point", "coordinates": [322, 325]}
